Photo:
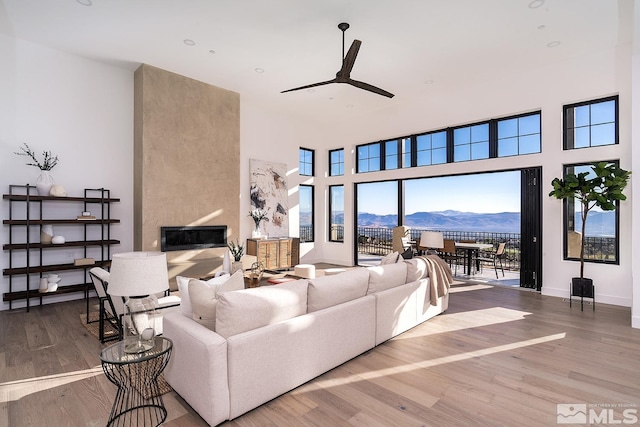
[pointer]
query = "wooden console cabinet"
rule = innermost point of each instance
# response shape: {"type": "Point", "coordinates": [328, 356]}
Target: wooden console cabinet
{"type": "Point", "coordinates": [275, 254]}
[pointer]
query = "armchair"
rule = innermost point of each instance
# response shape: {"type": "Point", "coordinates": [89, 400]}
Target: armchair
{"type": "Point", "coordinates": [112, 308]}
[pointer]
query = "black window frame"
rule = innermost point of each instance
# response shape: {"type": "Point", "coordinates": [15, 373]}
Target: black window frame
{"type": "Point", "coordinates": [518, 135]}
{"type": "Point", "coordinates": [301, 162]}
{"type": "Point", "coordinates": [568, 141]}
{"type": "Point", "coordinates": [412, 144]}
{"type": "Point", "coordinates": [330, 216]}
{"type": "Point", "coordinates": [340, 163]}
{"type": "Point", "coordinates": [569, 225]}
{"type": "Point", "coordinates": [430, 150]}
{"type": "Point", "coordinates": [381, 157]}
{"type": "Point", "coordinates": [313, 214]}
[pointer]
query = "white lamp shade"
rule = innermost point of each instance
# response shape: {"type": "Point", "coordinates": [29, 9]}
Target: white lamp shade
{"type": "Point", "coordinates": [431, 239]}
{"type": "Point", "coordinates": [138, 274]}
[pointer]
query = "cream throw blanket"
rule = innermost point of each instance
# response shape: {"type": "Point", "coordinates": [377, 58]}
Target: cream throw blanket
{"type": "Point", "coordinates": [440, 275]}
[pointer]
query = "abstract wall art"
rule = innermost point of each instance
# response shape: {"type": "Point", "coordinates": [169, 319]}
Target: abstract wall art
{"type": "Point", "coordinates": [269, 192]}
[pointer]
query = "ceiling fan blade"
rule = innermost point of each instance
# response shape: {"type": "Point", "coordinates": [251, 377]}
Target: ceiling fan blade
{"type": "Point", "coordinates": [370, 88]}
{"type": "Point", "coordinates": [311, 85]}
{"type": "Point", "coordinates": [349, 60]}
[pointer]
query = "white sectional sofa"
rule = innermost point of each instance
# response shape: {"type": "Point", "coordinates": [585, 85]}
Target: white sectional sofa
{"type": "Point", "coordinates": [271, 339]}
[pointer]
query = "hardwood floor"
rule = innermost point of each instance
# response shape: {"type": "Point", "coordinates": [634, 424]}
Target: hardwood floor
{"type": "Point", "coordinates": [498, 356]}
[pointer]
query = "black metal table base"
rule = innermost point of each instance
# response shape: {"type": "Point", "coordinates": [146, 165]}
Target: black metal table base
{"type": "Point", "coordinates": [138, 400]}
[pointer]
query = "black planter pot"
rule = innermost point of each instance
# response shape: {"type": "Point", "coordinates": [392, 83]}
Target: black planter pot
{"type": "Point", "coordinates": [583, 288]}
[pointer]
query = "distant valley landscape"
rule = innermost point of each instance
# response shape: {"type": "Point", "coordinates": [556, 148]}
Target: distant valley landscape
{"type": "Point", "coordinates": [599, 224]}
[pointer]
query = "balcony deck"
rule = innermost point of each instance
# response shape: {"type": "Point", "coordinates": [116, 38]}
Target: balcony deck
{"type": "Point", "coordinates": [487, 275]}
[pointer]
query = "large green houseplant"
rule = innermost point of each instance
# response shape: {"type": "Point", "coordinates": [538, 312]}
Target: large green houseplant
{"type": "Point", "coordinates": [601, 187]}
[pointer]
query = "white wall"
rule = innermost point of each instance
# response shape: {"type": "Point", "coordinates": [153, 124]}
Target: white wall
{"type": "Point", "coordinates": [635, 177]}
{"type": "Point", "coordinates": [79, 109]}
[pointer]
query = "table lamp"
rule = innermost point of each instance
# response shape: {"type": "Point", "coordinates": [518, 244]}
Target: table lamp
{"type": "Point", "coordinates": [431, 240]}
{"type": "Point", "coordinates": [138, 276]}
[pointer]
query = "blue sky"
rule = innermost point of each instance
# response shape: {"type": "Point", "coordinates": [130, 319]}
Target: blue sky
{"type": "Point", "coordinates": [480, 193]}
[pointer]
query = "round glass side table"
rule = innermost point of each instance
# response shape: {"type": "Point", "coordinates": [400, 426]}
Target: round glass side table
{"type": "Point", "coordinates": [138, 401]}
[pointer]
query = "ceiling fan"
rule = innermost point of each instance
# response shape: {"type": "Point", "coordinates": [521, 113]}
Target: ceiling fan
{"type": "Point", "coordinates": [344, 75]}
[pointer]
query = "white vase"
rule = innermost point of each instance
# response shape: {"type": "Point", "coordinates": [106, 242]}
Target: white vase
{"type": "Point", "coordinates": [44, 182]}
{"type": "Point", "coordinates": [46, 233]}
{"type": "Point", "coordinates": [237, 265]}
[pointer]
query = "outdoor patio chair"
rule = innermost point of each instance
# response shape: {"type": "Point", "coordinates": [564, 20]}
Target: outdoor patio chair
{"type": "Point", "coordinates": [493, 258]}
{"type": "Point", "coordinates": [450, 254]}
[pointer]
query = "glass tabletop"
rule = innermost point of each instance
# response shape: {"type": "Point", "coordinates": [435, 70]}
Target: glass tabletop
{"type": "Point", "coordinates": [115, 353]}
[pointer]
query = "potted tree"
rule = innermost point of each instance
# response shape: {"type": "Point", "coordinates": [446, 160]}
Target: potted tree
{"type": "Point", "coordinates": [601, 187]}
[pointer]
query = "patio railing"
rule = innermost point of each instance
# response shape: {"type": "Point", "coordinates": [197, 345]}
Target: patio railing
{"type": "Point", "coordinates": [379, 241]}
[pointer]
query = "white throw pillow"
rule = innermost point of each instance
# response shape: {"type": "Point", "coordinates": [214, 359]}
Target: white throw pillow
{"type": "Point", "coordinates": [253, 308]}
{"type": "Point", "coordinates": [327, 291]}
{"type": "Point", "coordinates": [416, 269]}
{"type": "Point", "coordinates": [183, 287]}
{"type": "Point", "coordinates": [392, 258]}
{"type": "Point", "coordinates": [387, 276]}
{"type": "Point", "coordinates": [203, 296]}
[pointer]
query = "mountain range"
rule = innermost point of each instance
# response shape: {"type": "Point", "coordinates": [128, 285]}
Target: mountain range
{"type": "Point", "coordinates": [599, 224]}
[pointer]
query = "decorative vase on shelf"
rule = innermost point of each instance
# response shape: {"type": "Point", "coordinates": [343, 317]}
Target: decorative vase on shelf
{"type": "Point", "coordinates": [46, 233]}
{"type": "Point", "coordinates": [256, 234]}
{"type": "Point", "coordinates": [44, 182]}
{"type": "Point", "coordinates": [237, 265]}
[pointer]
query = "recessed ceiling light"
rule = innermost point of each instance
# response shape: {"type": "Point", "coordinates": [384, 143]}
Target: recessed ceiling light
{"type": "Point", "coordinates": [542, 27]}
{"type": "Point", "coordinates": [311, 90]}
{"type": "Point", "coordinates": [189, 42]}
{"type": "Point", "coordinates": [85, 2]}
{"type": "Point", "coordinates": [259, 70]}
{"type": "Point", "coordinates": [211, 51]}
{"type": "Point", "coordinates": [553, 44]}
{"type": "Point", "coordinates": [428, 82]}
{"type": "Point", "coordinates": [536, 4]}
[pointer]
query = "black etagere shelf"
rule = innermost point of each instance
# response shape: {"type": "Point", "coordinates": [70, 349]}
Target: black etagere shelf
{"type": "Point", "coordinates": [33, 213]}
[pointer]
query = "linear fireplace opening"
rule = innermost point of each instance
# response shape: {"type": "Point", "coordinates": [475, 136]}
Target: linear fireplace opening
{"type": "Point", "coordinates": [193, 237]}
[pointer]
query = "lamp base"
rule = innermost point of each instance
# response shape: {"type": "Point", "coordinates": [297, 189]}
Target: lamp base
{"type": "Point", "coordinates": [139, 324]}
{"type": "Point", "coordinates": [134, 346]}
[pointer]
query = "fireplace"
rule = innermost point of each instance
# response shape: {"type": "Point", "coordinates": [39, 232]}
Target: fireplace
{"type": "Point", "coordinates": [193, 237]}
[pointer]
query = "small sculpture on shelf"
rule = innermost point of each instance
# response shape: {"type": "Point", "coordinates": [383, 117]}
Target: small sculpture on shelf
{"type": "Point", "coordinates": [45, 181]}
{"type": "Point", "coordinates": [257, 270]}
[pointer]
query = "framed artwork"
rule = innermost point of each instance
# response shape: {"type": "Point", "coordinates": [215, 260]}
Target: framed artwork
{"type": "Point", "coordinates": [269, 192]}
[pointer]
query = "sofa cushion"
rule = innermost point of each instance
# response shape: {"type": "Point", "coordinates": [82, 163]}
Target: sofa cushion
{"type": "Point", "coordinates": [183, 287]}
{"type": "Point", "coordinates": [242, 311]}
{"type": "Point", "coordinates": [386, 276]}
{"type": "Point", "coordinates": [416, 269]}
{"type": "Point", "coordinates": [391, 258]}
{"type": "Point", "coordinates": [327, 291]}
{"type": "Point", "coordinates": [203, 296]}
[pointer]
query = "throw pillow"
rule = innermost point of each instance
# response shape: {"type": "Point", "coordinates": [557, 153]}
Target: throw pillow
{"type": "Point", "coordinates": [388, 276]}
{"type": "Point", "coordinates": [392, 258]}
{"type": "Point", "coordinates": [416, 269]}
{"type": "Point", "coordinates": [183, 287]}
{"type": "Point", "coordinates": [204, 296]}
{"type": "Point", "coordinates": [327, 291]}
{"type": "Point", "coordinates": [253, 308]}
